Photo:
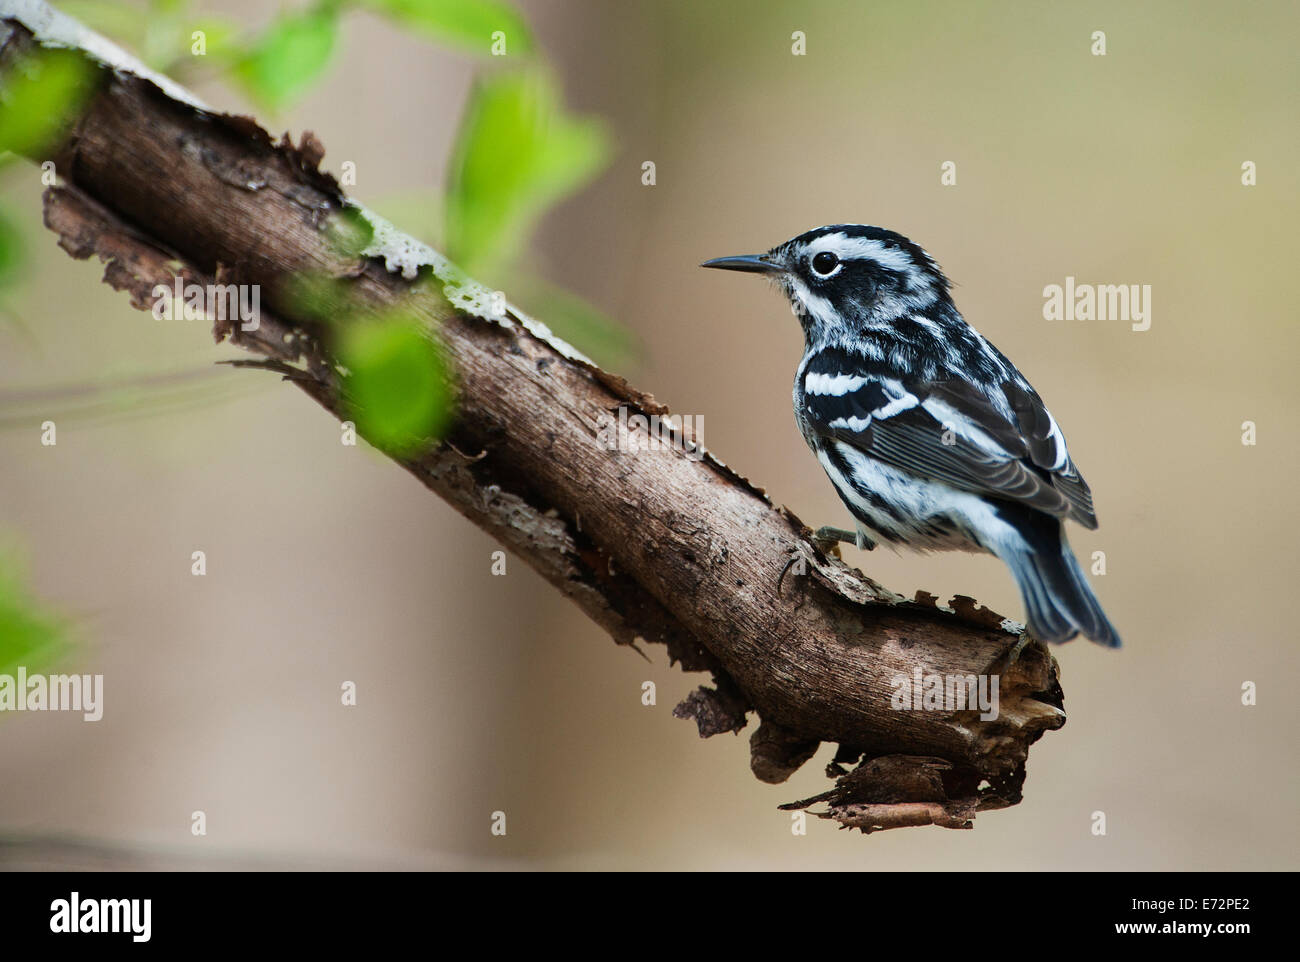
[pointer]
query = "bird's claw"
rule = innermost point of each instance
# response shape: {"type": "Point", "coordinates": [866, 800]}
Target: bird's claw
{"type": "Point", "coordinates": [827, 540]}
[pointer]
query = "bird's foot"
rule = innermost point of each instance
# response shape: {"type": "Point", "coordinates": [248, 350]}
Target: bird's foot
{"type": "Point", "coordinates": [1014, 654]}
{"type": "Point", "coordinates": [827, 540]}
{"type": "Point", "coordinates": [1008, 658]}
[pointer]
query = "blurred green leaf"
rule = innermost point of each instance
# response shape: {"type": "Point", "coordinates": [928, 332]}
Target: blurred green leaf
{"type": "Point", "coordinates": [349, 232]}
{"type": "Point", "coordinates": [11, 249]}
{"type": "Point", "coordinates": [221, 38]}
{"type": "Point", "coordinates": [114, 19]}
{"type": "Point", "coordinates": [517, 153]}
{"type": "Point", "coordinates": [162, 34]}
{"type": "Point", "coordinates": [318, 295]}
{"type": "Point", "coordinates": [420, 212]}
{"type": "Point", "coordinates": [40, 95]}
{"type": "Point", "coordinates": [468, 24]}
{"type": "Point", "coordinates": [29, 635]}
{"type": "Point", "coordinates": [398, 391]}
{"type": "Point", "coordinates": [577, 321]}
{"type": "Point", "coordinates": [289, 56]}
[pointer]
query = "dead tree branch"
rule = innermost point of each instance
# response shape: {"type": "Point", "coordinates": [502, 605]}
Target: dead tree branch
{"type": "Point", "coordinates": [652, 545]}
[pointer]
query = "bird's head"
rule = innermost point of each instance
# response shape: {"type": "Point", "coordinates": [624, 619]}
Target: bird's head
{"type": "Point", "coordinates": [848, 278]}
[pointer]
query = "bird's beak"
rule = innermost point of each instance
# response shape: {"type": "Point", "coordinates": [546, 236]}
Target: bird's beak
{"type": "Point", "coordinates": [751, 263]}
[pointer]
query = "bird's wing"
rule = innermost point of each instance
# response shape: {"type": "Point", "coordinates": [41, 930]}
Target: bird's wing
{"type": "Point", "coordinates": [1047, 450]}
{"type": "Point", "coordinates": [948, 431]}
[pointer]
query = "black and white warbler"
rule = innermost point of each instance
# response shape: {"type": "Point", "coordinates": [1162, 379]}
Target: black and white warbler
{"type": "Point", "coordinates": [930, 435]}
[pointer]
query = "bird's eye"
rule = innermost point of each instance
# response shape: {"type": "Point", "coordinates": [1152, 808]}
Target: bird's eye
{"type": "Point", "coordinates": [824, 263]}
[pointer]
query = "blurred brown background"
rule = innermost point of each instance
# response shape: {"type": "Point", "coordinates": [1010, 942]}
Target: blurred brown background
{"type": "Point", "coordinates": [477, 693]}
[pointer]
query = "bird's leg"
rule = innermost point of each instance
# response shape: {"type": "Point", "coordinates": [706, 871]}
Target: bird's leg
{"type": "Point", "coordinates": [827, 540]}
{"type": "Point", "coordinates": [1012, 654]}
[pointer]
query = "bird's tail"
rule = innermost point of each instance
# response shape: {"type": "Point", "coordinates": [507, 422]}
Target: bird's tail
{"type": "Point", "coordinates": [1058, 599]}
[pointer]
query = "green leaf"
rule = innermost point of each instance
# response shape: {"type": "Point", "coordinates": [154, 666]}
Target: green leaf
{"type": "Point", "coordinates": [398, 390]}
{"type": "Point", "coordinates": [29, 635]}
{"type": "Point", "coordinates": [289, 57]}
{"type": "Point", "coordinates": [11, 249]}
{"type": "Point", "coordinates": [517, 153]}
{"type": "Point", "coordinates": [468, 24]}
{"type": "Point", "coordinates": [40, 95]}
{"type": "Point", "coordinates": [349, 232]}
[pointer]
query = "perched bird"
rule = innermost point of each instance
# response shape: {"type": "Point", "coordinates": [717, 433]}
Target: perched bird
{"type": "Point", "coordinates": [930, 436]}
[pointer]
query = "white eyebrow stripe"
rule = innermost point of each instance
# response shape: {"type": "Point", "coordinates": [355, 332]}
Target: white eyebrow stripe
{"type": "Point", "coordinates": [854, 248]}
